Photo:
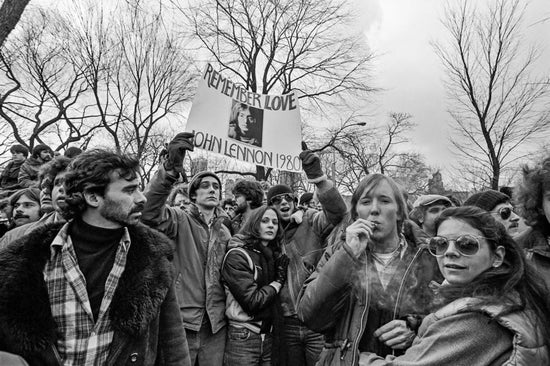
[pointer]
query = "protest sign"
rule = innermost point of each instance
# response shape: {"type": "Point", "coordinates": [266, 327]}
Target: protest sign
{"type": "Point", "coordinates": [261, 129]}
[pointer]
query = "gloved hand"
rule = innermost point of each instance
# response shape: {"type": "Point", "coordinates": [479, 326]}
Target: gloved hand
{"type": "Point", "coordinates": [312, 166]}
{"type": "Point", "coordinates": [281, 267]}
{"type": "Point", "coordinates": [177, 149]}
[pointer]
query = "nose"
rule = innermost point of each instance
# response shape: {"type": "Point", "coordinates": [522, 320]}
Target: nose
{"type": "Point", "coordinates": [375, 207]}
{"type": "Point", "coordinates": [451, 250]}
{"type": "Point", "coordinates": [140, 197]}
{"type": "Point", "coordinates": [514, 217]}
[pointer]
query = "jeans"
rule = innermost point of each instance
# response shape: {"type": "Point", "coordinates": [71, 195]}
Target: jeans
{"type": "Point", "coordinates": [303, 346]}
{"type": "Point", "coordinates": [205, 348]}
{"type": "Point", "coordinates": [245, 347]}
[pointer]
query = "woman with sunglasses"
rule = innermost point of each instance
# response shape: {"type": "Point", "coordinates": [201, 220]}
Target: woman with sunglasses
{"type": "Point", "coordinates": [492, 308]}
{"type": "Point", "coordinates": [253, 272]}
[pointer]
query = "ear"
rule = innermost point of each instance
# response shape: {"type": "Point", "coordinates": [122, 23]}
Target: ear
{"type": "Point", "coordinates": [498, 256]}
{"type": "Point", "coordinates": [92, 199]}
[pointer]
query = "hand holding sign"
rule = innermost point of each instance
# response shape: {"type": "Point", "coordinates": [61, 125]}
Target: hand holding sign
{"type": "Point", "coordinates": [177, 149]}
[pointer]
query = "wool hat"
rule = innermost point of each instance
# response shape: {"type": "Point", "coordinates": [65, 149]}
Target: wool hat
{"type": "Point", "coordinates": [277, 190]}
{"type": "Point", "coordinates": [196, 181]}
{"type": "Point", "coordinates": [487, 200]}
{"type": "Point", "coordinates": [306, 197]}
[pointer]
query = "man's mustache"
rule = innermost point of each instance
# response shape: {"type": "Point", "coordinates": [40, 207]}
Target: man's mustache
{"type": "Point", "coordinates": [138, 208]}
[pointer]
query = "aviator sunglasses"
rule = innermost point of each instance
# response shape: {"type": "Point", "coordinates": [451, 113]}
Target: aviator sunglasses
{"type": "Point", "coordinates": [278, 199]}
{"type": "Point", "coordinates": [504, 212]}
{"type": "Point", "coordinates": [466, 245]}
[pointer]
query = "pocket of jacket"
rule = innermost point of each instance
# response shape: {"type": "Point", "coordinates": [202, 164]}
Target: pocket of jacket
{"type": "Point", "coordinates": [238, 334]}
{"type": "Point", "coordinates": [179, 289]}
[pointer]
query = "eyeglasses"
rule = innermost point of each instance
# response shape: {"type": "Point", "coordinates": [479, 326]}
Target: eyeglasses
{"type": "Point", "coordinates": [278, 199]}
{"type": "Point", "coordinates": [466, 245]}
{"type": "Point", "coordinates": [504, 212]}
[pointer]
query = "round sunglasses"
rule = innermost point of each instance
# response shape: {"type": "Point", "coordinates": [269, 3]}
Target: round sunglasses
{"type": "Point", "coordinates": [504, 212]}
{"type": "Point", "coordinates": [466, 245]}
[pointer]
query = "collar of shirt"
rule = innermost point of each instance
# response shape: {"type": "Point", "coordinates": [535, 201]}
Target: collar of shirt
{"type": "Point", "coordinates": [61, 240]}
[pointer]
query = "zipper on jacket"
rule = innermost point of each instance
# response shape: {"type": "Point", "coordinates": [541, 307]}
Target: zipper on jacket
{"type": "Point", "coordinates": [366, 292]}
{"type": "Point", "coordinates": [398, 298]}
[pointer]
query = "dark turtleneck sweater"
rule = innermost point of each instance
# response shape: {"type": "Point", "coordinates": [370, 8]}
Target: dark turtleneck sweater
{"type": "Point", "coordinates": [95, 249]}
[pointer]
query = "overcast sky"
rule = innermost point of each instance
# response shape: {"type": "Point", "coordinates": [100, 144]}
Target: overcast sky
{"type": "Point", "coordinates": [400, 31]}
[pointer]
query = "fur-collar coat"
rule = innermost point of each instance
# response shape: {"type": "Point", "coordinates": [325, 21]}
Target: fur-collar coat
{"type": "Point", "coordinates": [144, 310]}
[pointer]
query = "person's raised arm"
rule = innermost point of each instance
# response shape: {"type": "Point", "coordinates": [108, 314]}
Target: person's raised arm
{"type": "Point", "coordinates": [155, 213]}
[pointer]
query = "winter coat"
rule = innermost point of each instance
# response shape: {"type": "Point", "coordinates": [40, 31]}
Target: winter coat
{"type": "Point", "coordinates": [339, 298]}
{"type": "Point", "coordinates": [10, 175]}
{"type": "Point", "coordinates": [537, 251]}
{"type": "Point", "coordinates": [304, 244]}
{"type": "Point", "coordinates": [144, 311]}
{"type": "Point", "coordinates": [249, 285]}
{"type": "Point", "coordinates": [467, 332]}
{"type": "Point", "coordinates": [191, 235]}
{"type": "Point", "coordinates": [28, 174]}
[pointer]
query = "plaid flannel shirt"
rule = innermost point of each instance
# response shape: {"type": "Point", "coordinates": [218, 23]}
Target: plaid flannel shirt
{"type": "Point", "coordinates": [81, 341]}
{"type": "Point", "coordinates": [388, 269]}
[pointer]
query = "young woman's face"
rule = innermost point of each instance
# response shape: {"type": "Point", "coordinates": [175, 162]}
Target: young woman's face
{"type": "Point", "coordinates": [458, 268]}
{"type": "Point", "coordinates": [268, 226]}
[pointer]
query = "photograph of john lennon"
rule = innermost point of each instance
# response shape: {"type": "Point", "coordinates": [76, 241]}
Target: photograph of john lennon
{"type": "Point", "coordinates": [246, 124]}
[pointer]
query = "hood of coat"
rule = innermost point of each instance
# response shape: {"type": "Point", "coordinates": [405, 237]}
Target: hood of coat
{"type": "Point", "coordinates": [26, 321]}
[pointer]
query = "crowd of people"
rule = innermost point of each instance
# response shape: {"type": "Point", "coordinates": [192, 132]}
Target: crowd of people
{"type": "Point", "coordinates": [96, 271]}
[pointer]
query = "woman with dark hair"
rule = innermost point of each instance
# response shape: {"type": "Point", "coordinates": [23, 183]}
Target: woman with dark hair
{"type": "Point", "coordinates": [253, 272]}
{"type": "Point", "coordinates": [371, 287]}
{"type": "Point", "coordinates": [492, 308]}
{"type": "Point", "coordinates": [533, 200]}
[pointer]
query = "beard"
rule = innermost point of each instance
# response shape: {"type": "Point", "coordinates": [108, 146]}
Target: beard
{"type": "Point", "coordinates": [241, 208]}
{"type": "Point", "coordinates": [113, 211]}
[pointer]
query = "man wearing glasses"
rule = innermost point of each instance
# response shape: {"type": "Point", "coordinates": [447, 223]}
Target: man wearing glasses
{"type": "Point", "coordinates": [498, 204]}
{"type": "Point", "coordinates": [304, 245]}
{"type": "Point", "coordinates": [201, 240]}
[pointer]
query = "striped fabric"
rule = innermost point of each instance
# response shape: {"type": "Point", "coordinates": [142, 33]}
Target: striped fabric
{"type": "Point", "coordinates": [81, 341]}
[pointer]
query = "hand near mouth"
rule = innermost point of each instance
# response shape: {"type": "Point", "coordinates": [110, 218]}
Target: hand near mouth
{"type": "Point", "coordinates": [358, 235]}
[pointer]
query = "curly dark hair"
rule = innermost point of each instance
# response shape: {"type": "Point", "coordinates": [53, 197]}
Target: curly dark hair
{"type": "Point", "coordinates": [251, 190]}
{"type": "Point", "coordinates": [92, 172]}
{"type": "Point", "coordinates": [500, 284]}
{"type": "Point", "coordinates": [49, 170]}
{"type": "Point", "coordinates": [250, 231]}
{"type": "Point", "coordinates": [529, 195]}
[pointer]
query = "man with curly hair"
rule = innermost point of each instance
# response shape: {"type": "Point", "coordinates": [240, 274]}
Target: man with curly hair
{"type": "Point", "coordinates": [533, 199]}
{"type": "Point", "coordinates": [99, 289]}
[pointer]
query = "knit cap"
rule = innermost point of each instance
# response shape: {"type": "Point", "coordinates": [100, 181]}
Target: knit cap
{"type": "Point", "coordinates": [277, 190]}
{"type": "Point", "coordinates": [196, 181]}
{"type": "Point", "coordinates": [487, 200]}
{"type": "Point", "coordinates": [306, 197]}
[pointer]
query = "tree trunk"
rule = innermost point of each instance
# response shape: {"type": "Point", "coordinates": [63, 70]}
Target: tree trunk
{"type": "Point", "coordinates": [10, 13]}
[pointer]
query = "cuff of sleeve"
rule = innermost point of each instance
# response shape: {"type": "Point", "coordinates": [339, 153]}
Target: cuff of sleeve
{"type": "Point", "coordinates": [276, 285]}
{"type": "Point", "coordinates": [350, 252]}
{"type": "Point", "coordinates": [318, 179]}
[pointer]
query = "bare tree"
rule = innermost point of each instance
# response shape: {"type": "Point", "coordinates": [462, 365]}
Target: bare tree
{"type": "Point", "coordinates": [10, 13]}
{"type": "Point", "coordinates": [283, 46]}
{"type": "Point", "coordinates": [497, 103]}
{"type": "Point", "coordinates": [40, 91]}
{"type": "Point", "coordinates": [139, 75]}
